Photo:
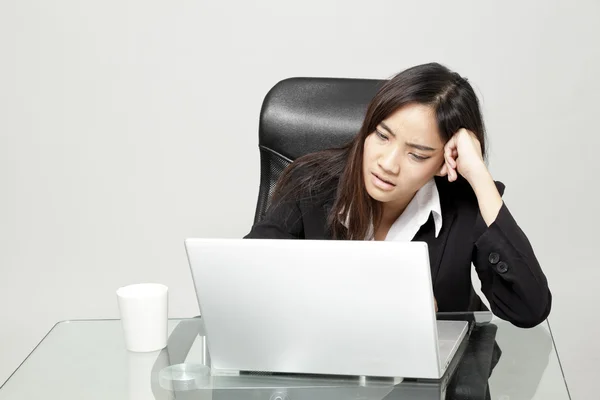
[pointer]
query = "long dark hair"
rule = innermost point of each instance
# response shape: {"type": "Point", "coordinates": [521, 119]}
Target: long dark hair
{"type": "Point", "coordinates": [340, 170]}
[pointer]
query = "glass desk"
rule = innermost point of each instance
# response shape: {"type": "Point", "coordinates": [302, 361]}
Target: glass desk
{"type": "Point", "coordinates": [87, 359]}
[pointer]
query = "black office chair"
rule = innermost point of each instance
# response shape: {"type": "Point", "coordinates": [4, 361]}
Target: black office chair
{"type": "Point", "coordinates": [303, 115]}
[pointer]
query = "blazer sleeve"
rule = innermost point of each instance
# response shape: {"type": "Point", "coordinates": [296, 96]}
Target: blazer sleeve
{"type": "Point", "coordinates": [510, 274]}
{"type": "Point", "coordinates": [283, 220]}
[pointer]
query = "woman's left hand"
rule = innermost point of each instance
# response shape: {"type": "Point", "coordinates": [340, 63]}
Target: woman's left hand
{"type": "Point", "coordinates": [462, 155]}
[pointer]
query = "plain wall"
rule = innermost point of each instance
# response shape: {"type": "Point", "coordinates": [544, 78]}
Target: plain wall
{"type": "Point", "coordinates": [127, 126]}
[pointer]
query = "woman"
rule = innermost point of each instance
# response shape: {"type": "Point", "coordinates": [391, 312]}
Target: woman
{"type": "Point", "coordinates": [416, 171]}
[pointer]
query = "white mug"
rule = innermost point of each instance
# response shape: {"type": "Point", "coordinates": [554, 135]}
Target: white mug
{"type": "Point", "coordinates": [144, 315]}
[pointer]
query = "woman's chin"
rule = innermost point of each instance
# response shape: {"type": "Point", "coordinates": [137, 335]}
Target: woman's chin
{"type": "Point", "coordinates": [378, 195]}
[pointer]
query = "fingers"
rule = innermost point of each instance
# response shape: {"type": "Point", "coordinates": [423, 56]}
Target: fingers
{"type": "Point", "coordinates": [444, 170]}
{"type": "Point", "coordinates": [450, 159]}
{"type": "Point", "coordinates": [451, 152]}
{"type": "Point", "coordinates": [448, 170]}
{"type": "Point", "coordinates": [451, 173]}
{"type": "Point", "coordinates": [450, 155]}
{"type": "Point", "coordinates": [468, 141]}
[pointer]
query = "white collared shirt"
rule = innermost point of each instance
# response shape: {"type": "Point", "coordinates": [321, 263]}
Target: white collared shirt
{"type": "Point", "coordinates": [426, 201]}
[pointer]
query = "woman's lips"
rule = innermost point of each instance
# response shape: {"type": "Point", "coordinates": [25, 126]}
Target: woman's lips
{"type": "Point", "coordinates": [381, 183]}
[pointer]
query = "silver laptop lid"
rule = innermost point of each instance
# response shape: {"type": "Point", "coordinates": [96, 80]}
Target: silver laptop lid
{"type": "Point", "coordinates": [324, 307]}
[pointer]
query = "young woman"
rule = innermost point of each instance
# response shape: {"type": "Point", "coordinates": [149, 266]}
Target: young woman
{"type": "Point", "coordinates": [416, 171]}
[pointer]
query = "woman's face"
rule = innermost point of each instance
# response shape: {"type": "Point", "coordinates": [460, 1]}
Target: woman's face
{"type": "Point", "coordinates": [402, 154]}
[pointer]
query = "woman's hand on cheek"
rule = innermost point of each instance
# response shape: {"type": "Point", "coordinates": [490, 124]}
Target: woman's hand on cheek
{"type": "Point", "coordinates": [462, 155]}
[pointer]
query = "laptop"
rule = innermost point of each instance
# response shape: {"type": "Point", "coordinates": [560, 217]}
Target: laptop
{"type": "Point", "coordinates": [330, 307]}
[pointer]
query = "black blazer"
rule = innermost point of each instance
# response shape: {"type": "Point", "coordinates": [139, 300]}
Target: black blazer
{"type": "Point", "coordinates": [511, 277]}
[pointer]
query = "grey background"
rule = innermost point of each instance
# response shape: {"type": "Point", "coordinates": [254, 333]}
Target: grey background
{"type": "Point", "coordinates": [127, 126]}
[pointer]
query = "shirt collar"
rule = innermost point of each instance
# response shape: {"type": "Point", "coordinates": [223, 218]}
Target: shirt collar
{"type": "Point", "coordinates": [426, 201]}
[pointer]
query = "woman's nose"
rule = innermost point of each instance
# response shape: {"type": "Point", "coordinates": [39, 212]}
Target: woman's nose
{"type": "Point", "coordinates": [389, 162]}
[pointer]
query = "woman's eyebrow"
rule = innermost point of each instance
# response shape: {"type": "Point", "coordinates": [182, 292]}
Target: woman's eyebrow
{"type": "Point", "coordinates": [387, 128]}
{"type": "Point", "coordinates": [413, 145]}
{"type": "Point", "coordinates": [420, 147]}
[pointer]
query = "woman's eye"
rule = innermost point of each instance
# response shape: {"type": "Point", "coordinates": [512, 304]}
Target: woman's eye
{"type": "Point", "coordinates": [380, 135]}
{"type": "Point", "coordinates": [418, 157]}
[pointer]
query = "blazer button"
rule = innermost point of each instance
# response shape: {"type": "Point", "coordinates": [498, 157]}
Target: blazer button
{"type": "Point", "coordinates": [502, 267]}
{"type": "Point", "coordinates": [494, 258]}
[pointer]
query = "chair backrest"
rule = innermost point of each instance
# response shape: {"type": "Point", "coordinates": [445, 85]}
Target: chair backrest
{"type": "Point", "coordinates": [304, 115]}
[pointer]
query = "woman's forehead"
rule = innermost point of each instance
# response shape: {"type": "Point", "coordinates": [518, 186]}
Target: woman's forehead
{"type": "Point", "coordinates": [414, 122]}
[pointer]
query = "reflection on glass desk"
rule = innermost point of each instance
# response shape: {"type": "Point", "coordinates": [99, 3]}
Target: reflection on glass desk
{"type": "Point", "coordinates": [87, 359]}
